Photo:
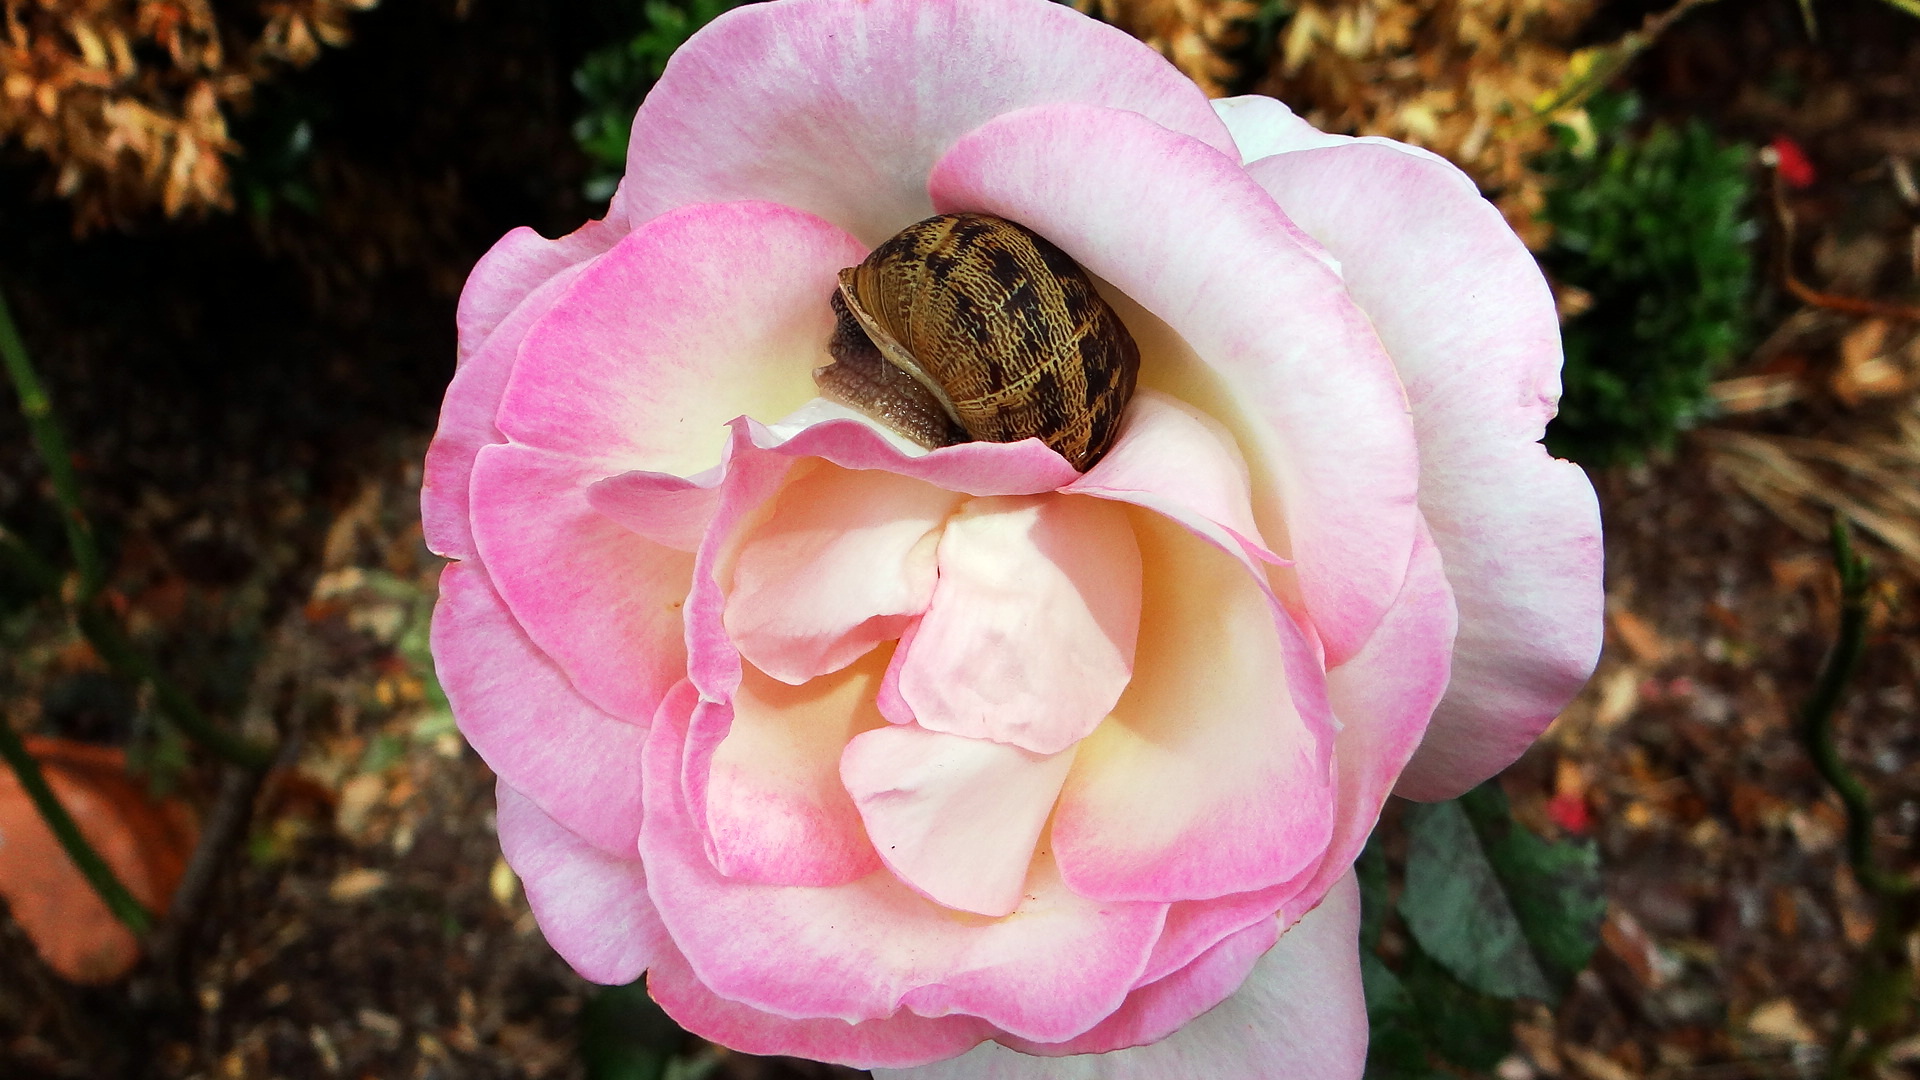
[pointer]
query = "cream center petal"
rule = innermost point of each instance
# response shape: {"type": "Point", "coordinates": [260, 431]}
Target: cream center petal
{"type": "Point", "coordinates": [955, 818]}
{"type": "Point", "coordinates": [1030, 636]}
{"type": "Point", "coordinates": [843, 562]}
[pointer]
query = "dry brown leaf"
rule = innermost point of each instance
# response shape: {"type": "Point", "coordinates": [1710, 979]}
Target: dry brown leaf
{"type": "Point", "coordinates": [145, 842]}
{"type": "Point", "coordinates": [1463, 79]}
{"type": "Point", "coordinates": [1199, 36]}
{"type": "Point", "coordinates": [128, 101]}
{"type": "Point", "coordinates": [356, 884]}
{"type": "Point", "coordinates": [1638, 635]}
{"type": "Point", "coordinates": [1778, 1019]}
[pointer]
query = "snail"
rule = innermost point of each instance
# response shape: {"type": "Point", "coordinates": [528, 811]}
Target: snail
{"type": "Point", "coordinates": [970, 327]}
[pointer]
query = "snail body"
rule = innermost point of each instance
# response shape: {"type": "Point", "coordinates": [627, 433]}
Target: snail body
{"type": "Point", "coordinates": [971, 327]}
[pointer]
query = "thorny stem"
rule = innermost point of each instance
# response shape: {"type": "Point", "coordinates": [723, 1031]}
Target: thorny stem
{"type": "Point", "coordinates": [98, 874]}
{"type": "Point", "coordinates": [1885, 981]}
{"type": "Point", "coordinates": [52, 446]}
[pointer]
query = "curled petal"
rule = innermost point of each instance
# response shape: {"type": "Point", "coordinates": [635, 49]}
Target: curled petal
{"type": "Point", "coordinates": [871, 948]}
{"type": "Point", "coordinates": [1030, 636]}
{"type": "Point", "coordinates": [955, 818]}
{"type": "Point", "coordinates": [776, 812]}
{"type": "Point", "coordinates": [695, 318]}
{"type": "Point", "coordinates": [467, 419]}
{"type": "Point", "coordinates": [1384, 697]}
{"type": "Point", "coordinates": [842, 562]}
{"type": "Point", "coordinates": [516, 265]}
{"type": "Point", "coordinates": [1175, 460]}
{"type": "Point", "coordinates": [1214, 773]}
{"type": "Point", "coordinates": [899, 1040]}
{"type": "Point", "coordinates": [600, 600]}
{"type": "Point", "coordinates": [1159, 1008]}
{"type": "Point", "coordinates": [672, 511]}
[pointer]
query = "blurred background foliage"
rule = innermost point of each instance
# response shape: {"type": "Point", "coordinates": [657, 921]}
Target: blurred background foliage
{"type": "Point", "coordinates": [1652, 229]}
{"type": "Point", "coordinates": [235, 233]}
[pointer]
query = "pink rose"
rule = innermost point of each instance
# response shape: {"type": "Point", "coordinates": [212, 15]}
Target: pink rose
{"type": "Point", "coordinates": [961, 762]}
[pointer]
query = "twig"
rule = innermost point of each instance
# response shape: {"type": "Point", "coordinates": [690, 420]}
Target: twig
{"type": "Point", "coordinates": [113, 646]}
{"type": "Point", "coordinates": [107, 639]}
{"type": "Point", "coordinates": [1883, 984]}
{"type": "Point", "coordinates": [240, 787]}
{"type": "Point", "coordinates": [1851, 305]}
{"type": "Point", "coordinates": [1614, 59]}
{"type": "Point", "coordinates": [52, 446]}
{"type": "Point", "coordinates": [112, 892]}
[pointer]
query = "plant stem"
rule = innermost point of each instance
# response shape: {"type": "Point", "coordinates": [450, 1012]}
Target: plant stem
{"type": "Point", "coordinates": [107, 639]}
{"type": "Point", "coordinates": [1816, 716]}
{"type": "Point", "coordinates": [114, 647]}
{"type": "Point", "coordinates": [1883, 985]}
{"type": "Point", "coordinates": [98, 874]}
{"type": "Point", "coordinates": [52, 446]}
{"type": "Point", "coordinates": [96, 623]}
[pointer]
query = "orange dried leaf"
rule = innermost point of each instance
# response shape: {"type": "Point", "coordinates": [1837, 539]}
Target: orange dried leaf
{"type": "Point", "coordinates": [145, 842]}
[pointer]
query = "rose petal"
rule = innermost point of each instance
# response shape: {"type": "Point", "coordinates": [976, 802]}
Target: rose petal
{"type": "Point", "coordinates": [1162, 1007]}
{"type": "Point", "coordinates": [1384, 697]}
{"type": "Point", "coordinates": [898, 1040]}
{"type": "Point", "coordinates": [759, 460]}
{"type": "Point", "coordinates": [1175, 460]}
{"type": "Point", "coordinates": [956, 818]}
{"type": "Point", "coordinates": [892, 705]}
{"type": "Point", "coordinates": [1213, 774]}
{"type": "Point", "coordinates": [579, 765]}
{"type": "Point", "coordinates": [840, 108]}
{"type": "Point", "coordinates": [669, 510]}
{"type": "Point", "coordinates": [695, 318]}
{"type": "Point", "coordinates": [776, 812]}
{"type": "Point", "coordinates": [840, 565]}
{"type": "Point", "coordinates": [1468, 318]}
{"type": "Point", "coordinates": [1263, 127]}
{"type": "Point", "coordinates": [467, 419]}
{"type": "Point", "coordinates": [592, 906]}
{"type": "Point", "coordinates": [601, 601]}
{"type": "Point", "coordinates": [1291, 365]}
{"type": "Point", "coordinates": [516, 265]}
{"type": "Point", "coordinates": [1300, 1014]}
{"type": "Point", "coordinates": [1030, 636]}
{"type": "Point", "coordinates": [867, 949]}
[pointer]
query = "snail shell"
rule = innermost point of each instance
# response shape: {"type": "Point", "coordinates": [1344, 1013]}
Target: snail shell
{"type": "Point", "coordinates": [968, 326]}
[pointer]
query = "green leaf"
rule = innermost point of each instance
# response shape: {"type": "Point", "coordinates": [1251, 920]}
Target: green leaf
{"type": "Point", "coordinates": [1457, 908]}
{"type": "Point", "coordinates": [1396, 1044]}
{"type": "Point", "coordinates": [1505, 911]}
{"type": "Point", "coordinates": [625, 1036]}
{"type": "Point", "coordinates": [1371, 871]}
{"type": "Point", "coordinates": [1462, 1025]}
{"type": "Point", "coordinates": [1427, 1017]}
{"type": "Point", "coordinates": [1555, 888]}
